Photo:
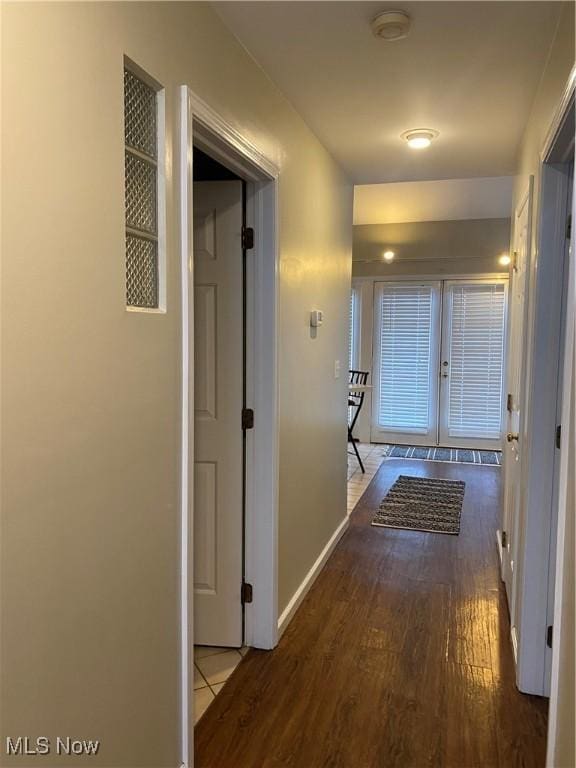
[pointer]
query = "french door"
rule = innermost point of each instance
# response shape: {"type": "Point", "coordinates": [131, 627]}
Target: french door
{"type": "Point", "coordinates": [439, 362]}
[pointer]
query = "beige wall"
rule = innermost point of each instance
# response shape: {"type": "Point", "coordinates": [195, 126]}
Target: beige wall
{"type": "Point", "coordinates": [90, 392]}
{"type": "Point", "coordinates": [431, 247]}
{"type": "Point", "coordinates": [550, 91]}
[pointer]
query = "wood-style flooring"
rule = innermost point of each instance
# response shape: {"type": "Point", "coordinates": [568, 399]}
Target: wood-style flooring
{"type": "Point", "coordinates": [398, 658]}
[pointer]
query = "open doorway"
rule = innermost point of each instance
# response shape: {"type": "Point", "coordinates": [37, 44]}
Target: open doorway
{"type": "Point", "coordinates": [219, 399]}
{"type": "Point", "coordinates": [229, 506]}
{"type": "Point", "coordinates": [534, 478]}
{"type": "Point", "coordinates": [219, 210]}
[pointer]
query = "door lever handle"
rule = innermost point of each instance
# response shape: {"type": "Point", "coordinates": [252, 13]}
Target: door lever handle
{"type": "Point", "coordinates": [512, 436]}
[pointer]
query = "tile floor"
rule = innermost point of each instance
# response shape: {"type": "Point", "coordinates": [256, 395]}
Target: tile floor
{"type": "Point", "coordinates": [212, 668]}
{"type": "Point", "coordinates": [357, 482]}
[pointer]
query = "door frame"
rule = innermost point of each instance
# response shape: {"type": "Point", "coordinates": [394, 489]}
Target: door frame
{"type": "Point", "coordinates": [537, 535]}
{"type": "Point", "coordinates": [202, 126]}
{"type": "Point", "coordinates": [508, 554]}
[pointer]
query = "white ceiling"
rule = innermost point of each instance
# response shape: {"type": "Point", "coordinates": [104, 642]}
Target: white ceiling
{"type": "Point", "coordinates": [446, 200]}
{"type": "Point", "coordinates": [468, 69]}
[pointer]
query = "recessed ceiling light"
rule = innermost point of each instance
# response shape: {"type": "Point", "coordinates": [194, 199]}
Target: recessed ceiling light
{"type": "Point", "coordinates": [504, 260]}
{"type": "Point", "coordinates": [388, 256]}
{"type": "Point", "coordinates": [419, 138]}
{"type": "Point", "coordinates": [391, 25]}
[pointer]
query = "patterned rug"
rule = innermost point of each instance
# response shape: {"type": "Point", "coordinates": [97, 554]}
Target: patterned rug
{"type": "Point", "coordinates": [422, 504]}
{"type": "Point", "coordinates": [459, 455]}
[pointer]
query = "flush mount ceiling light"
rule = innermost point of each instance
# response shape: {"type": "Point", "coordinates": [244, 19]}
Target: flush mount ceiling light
{"type": "Point", "coordinates": [419, 138]}
{"type": "Point", "coordinates": [391, 25]}
{"type": "Point", "coordinates": [388, 256]}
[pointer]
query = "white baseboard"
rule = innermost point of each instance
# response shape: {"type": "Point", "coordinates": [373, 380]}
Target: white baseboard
{"type": "Point", "coordinates": [311, 577]}
{"type": "Point", "coordinates": [514, 638]}
{"type": "Point", "coordinates": [499, 544]}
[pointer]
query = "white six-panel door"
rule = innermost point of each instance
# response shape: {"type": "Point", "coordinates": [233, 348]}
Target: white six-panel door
{"type": "Point", "coordinates": [218, 372]}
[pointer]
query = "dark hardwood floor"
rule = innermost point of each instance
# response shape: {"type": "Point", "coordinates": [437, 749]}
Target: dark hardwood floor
{"type": "Point", "coordinates": [398, 658]}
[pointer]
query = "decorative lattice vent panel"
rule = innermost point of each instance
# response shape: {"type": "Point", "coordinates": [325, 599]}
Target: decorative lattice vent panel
{"type": "Point", "coordinates": [141, 205]}
{"type": "Point", "coordinates": [141, 192]}
{"type": "Point", "coordinates": [140, 115]}
{"type": "Point", "coordinates": [141, 272]}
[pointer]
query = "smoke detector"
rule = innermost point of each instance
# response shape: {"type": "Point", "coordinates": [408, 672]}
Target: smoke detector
{"type": "Point", "coordinates": [391, 25]}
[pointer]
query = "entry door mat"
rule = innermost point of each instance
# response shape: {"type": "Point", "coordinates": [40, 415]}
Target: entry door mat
{"type": "Point", "coordinates": [422, 504]}
{"type": "Point", "coordinates": [457, 455]}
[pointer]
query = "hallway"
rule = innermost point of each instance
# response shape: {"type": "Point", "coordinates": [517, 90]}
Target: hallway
{"type": "Point", "coordinates": [399, 657]}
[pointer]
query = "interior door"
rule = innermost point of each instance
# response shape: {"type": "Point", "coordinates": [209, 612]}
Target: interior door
{"type": "Point", "coordinates": [218, 377]}
{"type": "Point", "coordinates": [406, 360]}
{"type": "Point", "coordinates": [516, 392]}
{"type": "Point", "coordinates": [472, 363]}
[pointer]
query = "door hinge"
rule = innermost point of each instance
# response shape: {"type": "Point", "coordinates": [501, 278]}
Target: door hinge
{"type": "Point", "coordinates": [504, 539]}
{"type": "Point", "coordinates": [247, 238]}
{"type": "Point", "coordinates": [247, 418]}
{"type": "Point", "coordinates": [549, 637]}
{"type": "Point", "coordinates": [246, 593]}
{"type": "Point", "coordinates": [558, 435]}
{"type": "Point", "coordinates": [569, 227]}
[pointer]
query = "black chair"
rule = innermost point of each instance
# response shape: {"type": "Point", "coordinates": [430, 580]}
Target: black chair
{"type": "Point", "coordinates": [355, 400]}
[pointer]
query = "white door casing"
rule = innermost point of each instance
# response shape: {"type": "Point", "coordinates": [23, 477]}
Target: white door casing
{"type": "Point", "coordinates": [218, 373]}
{"type": "Point", "coordinates": [202, 126]}
{"type": "Point", "coordinates": [516, 392]}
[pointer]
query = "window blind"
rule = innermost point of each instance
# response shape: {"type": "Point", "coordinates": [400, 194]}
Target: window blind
{"type": "Point", "coordinates": [476, 360]}
{"type": "Point", "coordinates": [352, 326]}
{"type": "Point", "coordinates": [405, 339]}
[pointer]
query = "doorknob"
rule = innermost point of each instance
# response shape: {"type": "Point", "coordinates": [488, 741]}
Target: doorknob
{"type": "Point", "coordinates": [512, 436]}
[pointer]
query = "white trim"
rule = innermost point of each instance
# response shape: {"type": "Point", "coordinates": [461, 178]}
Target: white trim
{"type": "Point", "coordinates": [539, 455]}
{"type": "Point", "coordinates": [514, 640]}
{"type": "Point", "coordinates": [222, 137]}
{"type": "Point", "coordinates": [499, 547]}
{"type": "Point", "coordinates": [187, 437]}
{"type": "Point", "coordinates": [561, 607]}
{"type": "Point", "coordinates": [311, 577]}
{"type": "Point", "coordinates": [511, 524]}
{"type": "Point", "coordinates": [539, 532]}
{"type": "Point", "coordinates": [202, 126]}
{"type": "Point", "coordinates": [559, 116]}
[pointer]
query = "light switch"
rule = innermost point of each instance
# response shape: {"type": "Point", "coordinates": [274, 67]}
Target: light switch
{"type": "Point", "coordinates": [336, 369]}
